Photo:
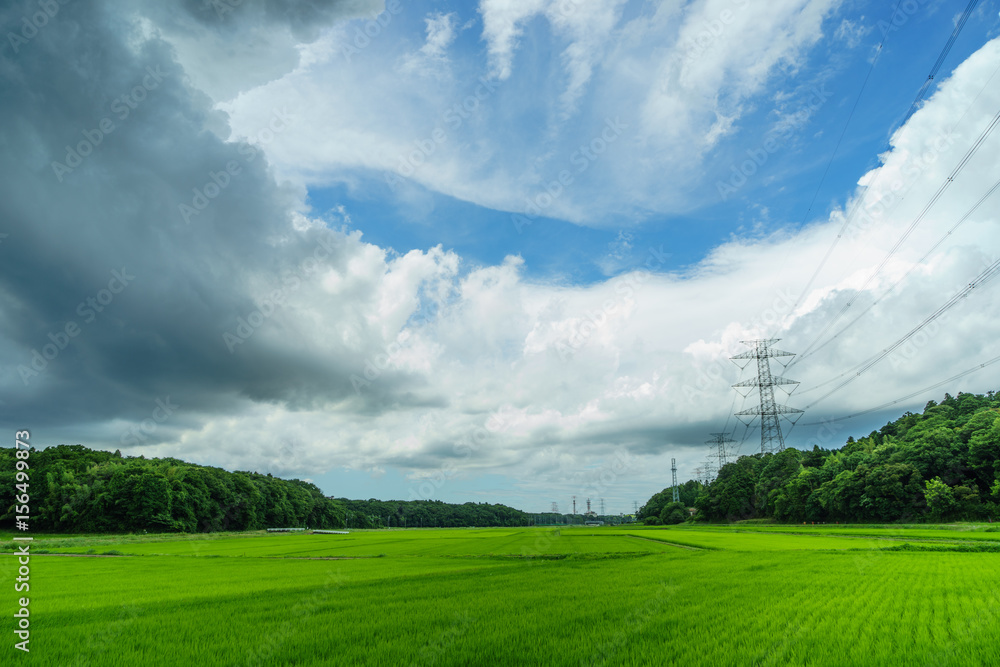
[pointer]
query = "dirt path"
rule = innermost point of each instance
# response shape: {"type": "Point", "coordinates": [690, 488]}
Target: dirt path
{"type": "Point", "coordinates": [669, 544]}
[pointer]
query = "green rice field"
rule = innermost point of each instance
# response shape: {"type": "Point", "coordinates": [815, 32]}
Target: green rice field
{"type": "Point", "coordinates": [733, 595]}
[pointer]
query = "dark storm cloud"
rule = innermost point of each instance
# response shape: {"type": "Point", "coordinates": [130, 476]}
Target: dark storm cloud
{"type": "Point", "coordinates": [137, 237]}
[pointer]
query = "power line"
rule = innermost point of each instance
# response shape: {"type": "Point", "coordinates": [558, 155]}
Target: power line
{"type": "Point", "coordinates": [933, 200]}
{"type": "Point", "coordinates": [864, 84]}
{"type": "Point", "coordinates": [909, 396]}
{"type": "Point", "coordinates": [857, 204]}
{"type": "Point", "coordinates": [940, 60]}
{"type": "Point", "coordinates": [896, 284]}
{"type": "Point", "coordinates": [866, 365]}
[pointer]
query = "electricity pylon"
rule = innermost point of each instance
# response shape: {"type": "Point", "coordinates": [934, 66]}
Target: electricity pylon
{"type": "Point", "coordinates": [769, 411]}
{"type": "Point", "coordinates": [721, 451]}
{"type": "Point", "coordinates": [673, 470]}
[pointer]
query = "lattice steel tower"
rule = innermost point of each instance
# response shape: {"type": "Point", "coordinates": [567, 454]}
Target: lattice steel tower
{"type": "Point", "coordinates": [673, 470]}
{"type": "Point", "coordinates": [769, 411]}
{"type": "Point", "coordinates": [721, 450]}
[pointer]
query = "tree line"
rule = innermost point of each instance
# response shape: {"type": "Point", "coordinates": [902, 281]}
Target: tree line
{"type": "Point", "coordinates": [374, 513]}
{"type": "Point", "coordinates": [940, 465]}
{"type": "Point", "coordinates": [76, 489]}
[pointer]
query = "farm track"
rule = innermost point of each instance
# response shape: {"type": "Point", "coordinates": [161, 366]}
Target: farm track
{"type": "Point", "coordinates": [670, 544]}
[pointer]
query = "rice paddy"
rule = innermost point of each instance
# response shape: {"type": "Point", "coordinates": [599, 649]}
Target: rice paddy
{"type": "Point", "coordinates": [540, 596]}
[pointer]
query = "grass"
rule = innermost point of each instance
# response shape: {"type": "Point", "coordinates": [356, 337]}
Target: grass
{"type": "Point", "coordinates": [575, 596]}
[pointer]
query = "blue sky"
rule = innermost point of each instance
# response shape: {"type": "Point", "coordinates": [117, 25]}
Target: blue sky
{"type": "Point", "coordinates": [778, 194]}
{"type": "Point", "coordinates": [367, 309]}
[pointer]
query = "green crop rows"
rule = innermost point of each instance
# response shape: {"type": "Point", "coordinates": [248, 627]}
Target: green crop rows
{"type": "Point", "coordinates": [575, 596]}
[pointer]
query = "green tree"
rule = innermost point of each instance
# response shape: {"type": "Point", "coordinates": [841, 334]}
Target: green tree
{"type": "Point", "coordinates": [674, 513]}
{"type": "Point", "coordinates": [940, 499]}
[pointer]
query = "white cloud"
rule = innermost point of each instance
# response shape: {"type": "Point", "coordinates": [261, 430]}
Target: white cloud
{"type": "Point", "coordinates": [503, 22]}
{"type": "Point", "coordinates": [679, 80]}
{"type": "Point", "coordinates": [440, 34]}
{"type": "Point", "coordinates": [541, 382]}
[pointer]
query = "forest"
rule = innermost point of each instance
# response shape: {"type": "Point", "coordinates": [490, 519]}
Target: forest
{"type": "Point", "coordinates": [940, 465]}
{"type": "Point", "coordinates": [80, 490]}
{"type": "Point", "coordinates": [374, 513]}
{"type": "Point", "coordinates": [76, 489]}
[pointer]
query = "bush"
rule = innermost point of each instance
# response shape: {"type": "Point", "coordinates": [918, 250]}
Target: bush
{"type": "Point", "coordinates": [674, 513]}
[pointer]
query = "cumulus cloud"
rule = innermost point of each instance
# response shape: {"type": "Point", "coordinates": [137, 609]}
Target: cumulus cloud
{"type": "Point", "coordinates": [176, 238]}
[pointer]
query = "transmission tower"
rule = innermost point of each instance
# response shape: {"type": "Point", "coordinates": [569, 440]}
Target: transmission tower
{"type": "Point", "coordinates": [602, 506]}
{"type": "Point", "coordinates": [761, 351]}
{"type": "Point", "coordinates": [555, 507]}
{"type": "Point", "coordinates": [703, 474]}
{"type": "Point", "coordinates": [635, 506]}
{"type": "Point", "coordinates": [673, 470]}
{"type": "Point", "coordinates": [574, 505]}
{"type": "Point", "coordinates": [588, 505]}
{"type": "Point", "coordinates": [721, 450]}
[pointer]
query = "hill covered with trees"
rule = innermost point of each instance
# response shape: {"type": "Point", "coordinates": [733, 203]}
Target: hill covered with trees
{"type": "Point", "coordinates": [940, 465]}
{"type": "Point", "coordinates": [76, 489]}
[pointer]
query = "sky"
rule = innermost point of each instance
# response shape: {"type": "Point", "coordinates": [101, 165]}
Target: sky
{"type": "Point", "coordinates": [495, 251]}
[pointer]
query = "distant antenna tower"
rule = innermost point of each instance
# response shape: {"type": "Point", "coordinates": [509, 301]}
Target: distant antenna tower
{"type": "Point", "coordinates": [588, 505]}
{"type": "Point", "coordinates": [721, 450]}
{"type": "Point", "coordinates": [673, 470]}
{"type": "Point", "coordinates": [635, 506]}
{"type": "Point", "coordinates": [555, 507]}
{"type": "Point", "coordinates": [761, 351]}
{"type": "Point", "coordinates": [602, 506]}
{"type": "Point", "coordinates": [574, 505]}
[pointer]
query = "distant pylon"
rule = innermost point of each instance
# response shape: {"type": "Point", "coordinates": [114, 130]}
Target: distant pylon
{"type": "Point", "coordinates": [703, 474]}
{"type": "Point", "coordinates": [574, 505]}
{"type": "Point", "coordinates": [673, 470]}
{"type": "Point", "coordinates": [555, 507]}
{"type": "Point", "coordinates": [761, 351]}
{"type": "Point", "coordinates": [721, 450]}
{"type": "Point", "coordinates": [602, 506]}
{"type": "Point", "coordinates": [588, 505]}
{"type": "Point", "coordinates": [635, 506]}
